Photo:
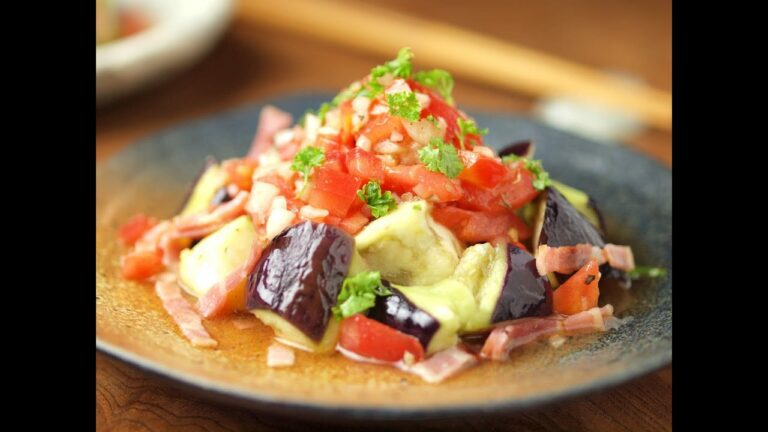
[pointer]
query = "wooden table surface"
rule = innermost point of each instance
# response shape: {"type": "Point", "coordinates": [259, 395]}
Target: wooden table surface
{"type": "Point", "coordinates": [251, 63]}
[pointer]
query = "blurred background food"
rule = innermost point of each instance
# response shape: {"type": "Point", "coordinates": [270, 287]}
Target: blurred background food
{"type": "Point", "coordinates": [598, 68]}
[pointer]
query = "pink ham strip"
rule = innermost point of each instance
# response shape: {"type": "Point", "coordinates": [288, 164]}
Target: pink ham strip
{"type": "Point", "coordinates": [619, 257]}
{"type": "Point", "coordinates": [271, 121]}
{"type": "Point", "coordinates": [513, 334]}
{"type": "Point", "coordinates": [212, 303]}
{"type": "Point", "coordinates": [194, 225]}
{"type": "Point", "coordinates": [280, 356]}
{"type": "Point", "coordinates": [182, 312]}
{"type": "Point", "coordinates": [566, 259]}
{"type": "Point", "coordinates": [442, 365]}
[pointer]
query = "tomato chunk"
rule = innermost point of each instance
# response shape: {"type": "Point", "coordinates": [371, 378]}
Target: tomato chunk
{"type": "Point", "coordinates": [380, 128]}
{"type": "Point", "coordinates": [580, 292]}
{"type": "Point", "coordinates": [354, 223]}
{"type": "Point", "coordinates": [476, 227]}
{"type": "Point", "coordinates": [426, 184]}
{"type": "Point", "coordinates": [365, 165]}
{"type": "Point", "coordinates": [481, 171]}
{"type": "Point", "coordinates": [240, 172]}
{"type": "Point", "coordinates": [142, 264]}
{"type": "Point", "coordinates": [135, 227]}
{"type": "Point", "coordinates": [372, 339]}
{"type": "Point", "coordinates": [334, 191]}
{"type": "Point", "coordinates": [515, 191]}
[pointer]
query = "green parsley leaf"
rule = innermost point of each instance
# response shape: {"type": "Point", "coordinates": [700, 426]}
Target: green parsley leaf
{"type": "Point", "coordinates": [541, 178]}
{"type": "Point", "coordinates": [439, 156]}
{"type": "Point", "coordinates": [380, 204]}
{"type": "Point", "coordinates": [404, 105]}
{"type": "Point", "coordinates": [358, 294]}
{"type": "Point", "coordinates": [468, 127]}
{"type": "Point", "coordinates": [438, 79]}
{"type": "Point", "coordinates": [647, 272]}
{"type": "Point", "coordinates": [308, 158]}
{"type": "Point", "coordinates": [400, 67]}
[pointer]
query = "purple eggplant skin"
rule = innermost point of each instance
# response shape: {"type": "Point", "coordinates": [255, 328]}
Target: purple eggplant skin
{"type": "Point", "coordinates": [521, 148]}
{"type": "Point", "coordinates": [564, 226]}
{"type": "Point", "coordinates": [398, 312]}
{"type": "Point", "coordinates": [299, 275]}
{"type": "Point", "coordinates": [209, 162]}
{"type": "Point", "coordinates": [525, 293]}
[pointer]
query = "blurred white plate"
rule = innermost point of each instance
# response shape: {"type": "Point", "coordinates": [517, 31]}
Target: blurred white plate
{"type": "Point", "coordinates": [180, 33]}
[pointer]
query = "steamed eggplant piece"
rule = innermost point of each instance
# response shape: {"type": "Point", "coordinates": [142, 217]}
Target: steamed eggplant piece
{"type": "Point", "coordinates": [584, 203]}
{"type": "Point", "coordinates": [524, 292]}
{"type": "Point", "coordinates": [524, 149]}
{"type": "Point", "coordinates": [400, 313]}
{"type": "Point", "coordinates": [408, 247]}
{"type": "Point", "coordinates": [299, 276]}
{"type": "Point", "coordinates": [562, 225]}
{"type": "Point", "coordinates": [208, 184]}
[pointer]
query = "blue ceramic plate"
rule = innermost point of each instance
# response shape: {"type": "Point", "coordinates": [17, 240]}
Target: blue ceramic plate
{"type": "Point", "coordinates": [633, 192]}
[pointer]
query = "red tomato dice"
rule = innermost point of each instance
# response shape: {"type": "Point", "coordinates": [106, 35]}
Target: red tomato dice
{"type": "Point", "coordinates": [481, 171]}
{"type": "Point", "coordinates": [134, 228]}
{"type": "Point", "coordinates": [334, 191]}
{"type": "Point", "coordinates": [580, 292]}
{"type": "Point", "coordinates": [365, 165]}
{"type": "Point", "coordinates": [142, 264]}
{"type": "Point", "coordinates": [372, 339]}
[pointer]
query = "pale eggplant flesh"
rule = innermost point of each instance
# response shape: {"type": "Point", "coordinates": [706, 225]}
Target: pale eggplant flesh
{"type": "Point", "coordinates": [299, 275]}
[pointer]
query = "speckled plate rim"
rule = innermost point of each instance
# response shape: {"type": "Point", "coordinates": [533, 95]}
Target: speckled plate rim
{"type": "Point", "coordinates": [213, 390]}
{"type": "Point", "coordinates": [241, 396]}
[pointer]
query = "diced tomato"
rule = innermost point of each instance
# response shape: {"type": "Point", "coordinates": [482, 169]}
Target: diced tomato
{"type": "Point", "coordinates": [380, 128]}
{"type": "Point", "coordinates": [513, 192]}
{"type": "Point", "coordinates": [426, 184]}
{"type": "Point", "coordinates": [142, 264]}
{"type": "Point", "coordinates": [476, 227]}
{"type": "Point", "coordinates": [365, 165]}
{"type": "Point", "coordinates": [354, 223]}
{"type": "Point", "coordinates": [135, 227]}
{"type": "Point", "coordinates": [240, 172]}
{"type": "Point", "coordinates": [481, 171]}
{"type": "Point", "coordinates": [372, 339]}
{"type": "Point", "coordinates": [580, 292]}
{"type": "Point", "coordinates": [334, 191]}
{"type": "Point", "coordinates": [439, 108]}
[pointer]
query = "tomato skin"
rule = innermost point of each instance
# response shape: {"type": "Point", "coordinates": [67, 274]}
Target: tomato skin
{"type": "Point", "coordinates": [477, 227]}
{"type": "Point", "coordinates": [334, 191]}
{"type": "Point", "coordinates": [380, 128]}
{"type": "Point", "coordinates": [481, 171]}
{"type": "Point", "coordinates": [515, 191]}
{"type": "Point", "coordinates": [576, 295]}
{"type": "Point", "coordinates": [372, 339]}
{"type": "Point", "coordinates": [365, 165]}
{"type": "Point", "coordinates": [139, 265]}
{"type": "Point", "coordinates": [426, 184]}
{"type": "Point", "coordinates": [135, 227]}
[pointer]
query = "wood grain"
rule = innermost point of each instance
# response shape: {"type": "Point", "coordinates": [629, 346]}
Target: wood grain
{"type": "Point", "coordinates": [252, 63]}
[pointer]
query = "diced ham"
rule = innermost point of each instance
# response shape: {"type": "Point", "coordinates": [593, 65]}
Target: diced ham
{"type": "Point", "coordinates": [280, 356]}
{"type": "Point", "coordinates": [619, 257]}
{"type": "Point", "coordinates": [566, 259]}
{"type": "Point", "coordinates": [513, 334]}
{"type": "Point", "coordinates": [214, 302]}
{"type": "Point", "coordinates": [442, 365]}
{"type": "Point", "coordinates": [182, 312]}
{"type": "Point", "coordinates": [201, 224]}
{"type": "Point", "coordinates": [271, 121]}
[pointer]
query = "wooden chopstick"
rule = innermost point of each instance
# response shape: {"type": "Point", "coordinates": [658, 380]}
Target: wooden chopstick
{"type": "Point", "coordinates": [492, 61]}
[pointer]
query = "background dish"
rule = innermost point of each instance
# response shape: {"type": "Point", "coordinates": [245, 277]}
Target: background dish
{"type": "Point", "coordinates": [633, 192]}
{"type": "Point", "coordinates": [179, 33]}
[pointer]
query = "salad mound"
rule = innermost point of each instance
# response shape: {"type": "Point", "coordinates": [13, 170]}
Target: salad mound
{"type": "Point", "coordinates": [380, 226]}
